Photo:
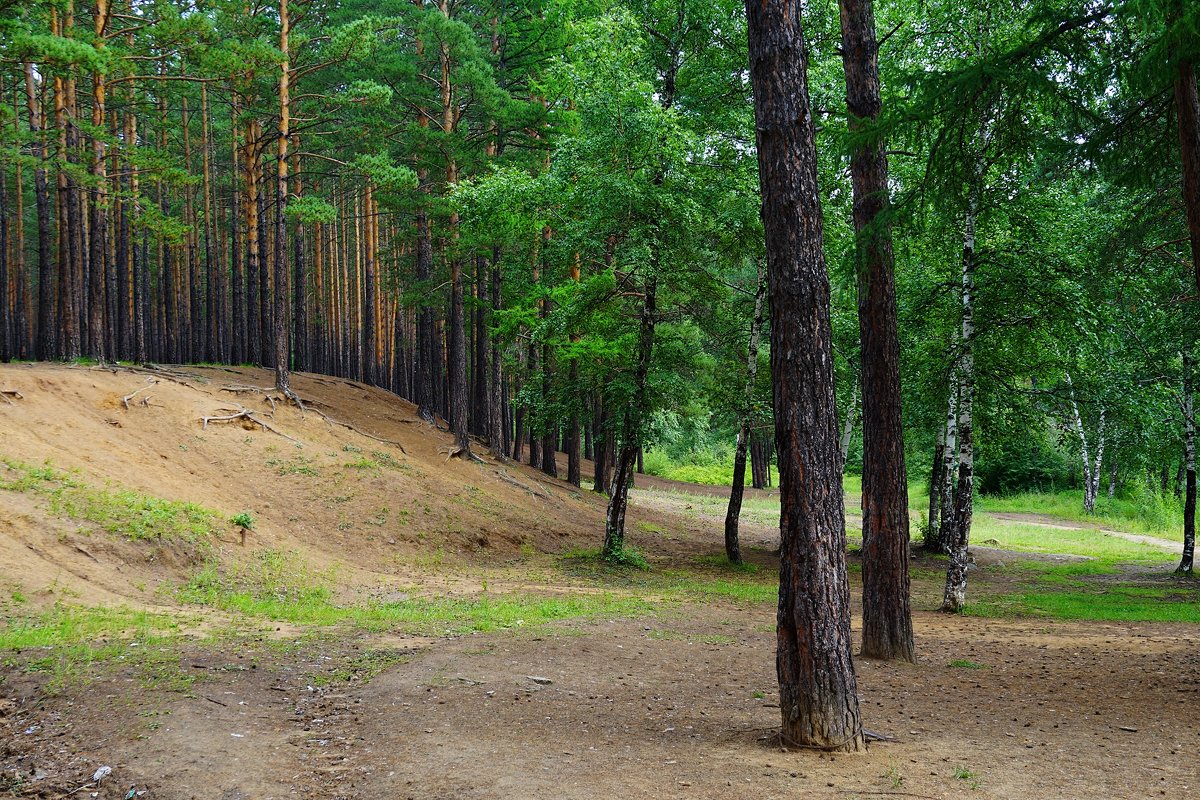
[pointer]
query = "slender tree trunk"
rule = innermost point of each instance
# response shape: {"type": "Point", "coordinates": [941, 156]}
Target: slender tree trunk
{"type": "Point", "coordinates": [495, 406]}
{"type": "Point", "coordinates": [950, 463]}
{"type": "Point", "coordinates": [733, 512]}
{"type": "Point", "coordinates": [46, 323]}
{"type": "Point", "coordinates": [279, 320]}
{"type": "Point", "coordinates": [574, 473]}
{"type": "Point", "coordinates": [1112, 479]}
{"type": "Point", "coordinates": [618, 502]}
{"type": "Point", "coordinates": [955, 596]}
{"type": "Point", "coordinates": [848, 427]}
{"type": "Point", "coordinates": [933, 539]}
{"type": "Point", "coordinates": [818, 692]}
{"type": "Point", "coordinates": [1189, 442]}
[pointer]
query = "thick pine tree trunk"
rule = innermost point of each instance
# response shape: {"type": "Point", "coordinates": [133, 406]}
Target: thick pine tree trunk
{"type": "Point", "coordinates": [427, 374]}
{"type": "Point", "coordinates": [818, 692]}
{"type": "Point", "coordinates": [6, 326]}
{"type": "Point", "coordinates": [733, 512]}
{"type": "Point", "coordinates": [631, 427]}
{"type": "Point", "coordinates": [887, 618]}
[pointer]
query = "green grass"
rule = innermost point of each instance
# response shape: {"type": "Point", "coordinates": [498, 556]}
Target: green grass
{"type": "Point", "coordinates": [1109, 604]}
{"type": "Point", "coordinates": [277, 586]}
{"type": "Point", "coordinates": [130, 514]}
{"type": "Point", "coordinates": [1147, 513]}
{"type": "Point", "coordinates": [74, 645]}
{"type": "Point", "coordinates": [962, 663]}
{"type": "Point", "coordinates": [1083, 542]}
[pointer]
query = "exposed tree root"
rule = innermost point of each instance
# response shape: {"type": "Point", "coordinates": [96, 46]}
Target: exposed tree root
{"type": "Point", "coordinates": [145, 400]}
{"type": "Point", "coordinates": [504, 476]}
{"type": "Point", "coordinates": [333, 421]}
{"type": "Point", "coordinates": [9, 394]}
{"type": "Point", "coordinates": [241, 412]}
{"type": "Point", "coordinates": [461, 452]}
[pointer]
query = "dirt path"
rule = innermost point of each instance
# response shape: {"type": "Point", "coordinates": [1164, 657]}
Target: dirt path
{"type": "Point", "coordinates": [677, 704]}
{"type": "Point", "coordinates": [1046, 521]}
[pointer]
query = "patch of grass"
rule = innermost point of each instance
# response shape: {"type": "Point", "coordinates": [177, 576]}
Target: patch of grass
{"type": "Point", "coordinates": [295, 466]}
{"type": "Point", "coordinates": [972, 778]}
{"type": "Point", "coordinates": [1112, 604]}
{"type": "Point", "coordinates": [277, 586]}
{"type": "Point", "coordinates": [625, 557]}
{"type": "Point", "coordinates": [365, 464]}
{"type": "Point", "coordinates": [74, 645]}
{"type": "Point", "coordinates": [722, 563]}
{"type": "Point", "coordinates": [1145, 512]}
{"type": "Point", "coordinates": [708, 638]}
{"type": "Point", "coordinates": [1095, 544]}
{"type": "Point", "coordinates": [363, 668]}
{"type": "Point", "coordinates": [126, 513]}
{"type": "Point", "coordinates": [962, 663]}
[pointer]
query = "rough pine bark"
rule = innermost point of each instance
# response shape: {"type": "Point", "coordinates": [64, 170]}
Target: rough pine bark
{"type": "Point", "coordinates": [279, 330]}
{"type": "Point", "coordinates": [733, 512]}
{"type": "Point", "coordinates": [1187, 104]}
{"type": "Point", "coordinates": [818, 692]}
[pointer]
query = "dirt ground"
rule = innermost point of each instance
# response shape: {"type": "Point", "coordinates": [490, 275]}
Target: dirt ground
{"type": "Point", "coordinates": [678, 702]}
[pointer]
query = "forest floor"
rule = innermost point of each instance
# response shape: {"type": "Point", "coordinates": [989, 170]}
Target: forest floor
{"type": "Point", "coordinates": [404, 625]}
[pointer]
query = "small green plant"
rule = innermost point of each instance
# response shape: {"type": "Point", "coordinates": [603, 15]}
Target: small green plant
{"type": "Point", "coordinates": [627, 556]}
{"type": "Point", "coordinates": [972, 779]}
{"type": "Point", "coordinates": [962, 663]}
{"type": "Point", "coordinates": [244, 520]}
{"type": "Point", "coordinates": [758, 694]}
{"type": "Point", "coordinates": [893, 775]}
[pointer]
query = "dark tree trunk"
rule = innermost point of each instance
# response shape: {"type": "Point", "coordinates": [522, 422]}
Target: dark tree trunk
{"type": "Point", "coordinates": [887, 618]}
{"type": "Point", "coordinates": [458, 360]}
{"type": "Point", "coordinates": [933, 540]}
{"type": "Point", "coordinates": [426, 398]}
{"type": "Point", "coordinates": [618, 501]}
{"type": "Point", "coordinates": [479, 343]}
{"type": "Point", "coordinates": [1189, 441]}
{"type": "Point", "coordinates": [495, 379]}
{"type": "Point", "coordinates": [46, 323]}
{"type": "Point", "coordinates": [518, 444]}
{"type": "Point", "coordinates": [733, 513]}
{"type": "Point", "coordinates": [6, 326]}
{"type": "Point", "coordinates": [818, 692]}
{"type": "Point", "coordinates": [601, 427]}
{"type": "Point", "coordinates": [369, 323]}
{"type": "Point", "coordinates": [1187, 104]}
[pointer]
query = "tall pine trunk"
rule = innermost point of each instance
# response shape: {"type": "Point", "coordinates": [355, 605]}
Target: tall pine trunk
{"type": "Point", "coordinates": [818, 692]}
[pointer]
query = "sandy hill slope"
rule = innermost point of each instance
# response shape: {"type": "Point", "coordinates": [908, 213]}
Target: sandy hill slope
{"type": "Point", "coordinates": [356, 485]}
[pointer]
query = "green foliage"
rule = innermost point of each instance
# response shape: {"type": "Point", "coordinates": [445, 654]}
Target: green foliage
{"type": "Point", "coordinates": [244, 520]}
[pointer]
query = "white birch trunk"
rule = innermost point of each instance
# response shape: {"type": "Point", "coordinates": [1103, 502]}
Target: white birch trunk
{"type": "Point", "coordinates": [848, 426]}
{"type": "Point", "coordinates": [955, 596]}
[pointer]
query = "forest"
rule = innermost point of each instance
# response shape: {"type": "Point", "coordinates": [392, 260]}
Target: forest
{"type": "Point", "coordinates": [888, 267]}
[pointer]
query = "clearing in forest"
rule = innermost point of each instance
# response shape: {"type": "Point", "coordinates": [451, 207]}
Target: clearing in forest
{"type": "Point", "coordinates": [400, 624]}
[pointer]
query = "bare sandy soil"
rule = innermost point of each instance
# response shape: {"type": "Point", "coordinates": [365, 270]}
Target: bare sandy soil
{"type": "Point", "coordinates": [676, 702]}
